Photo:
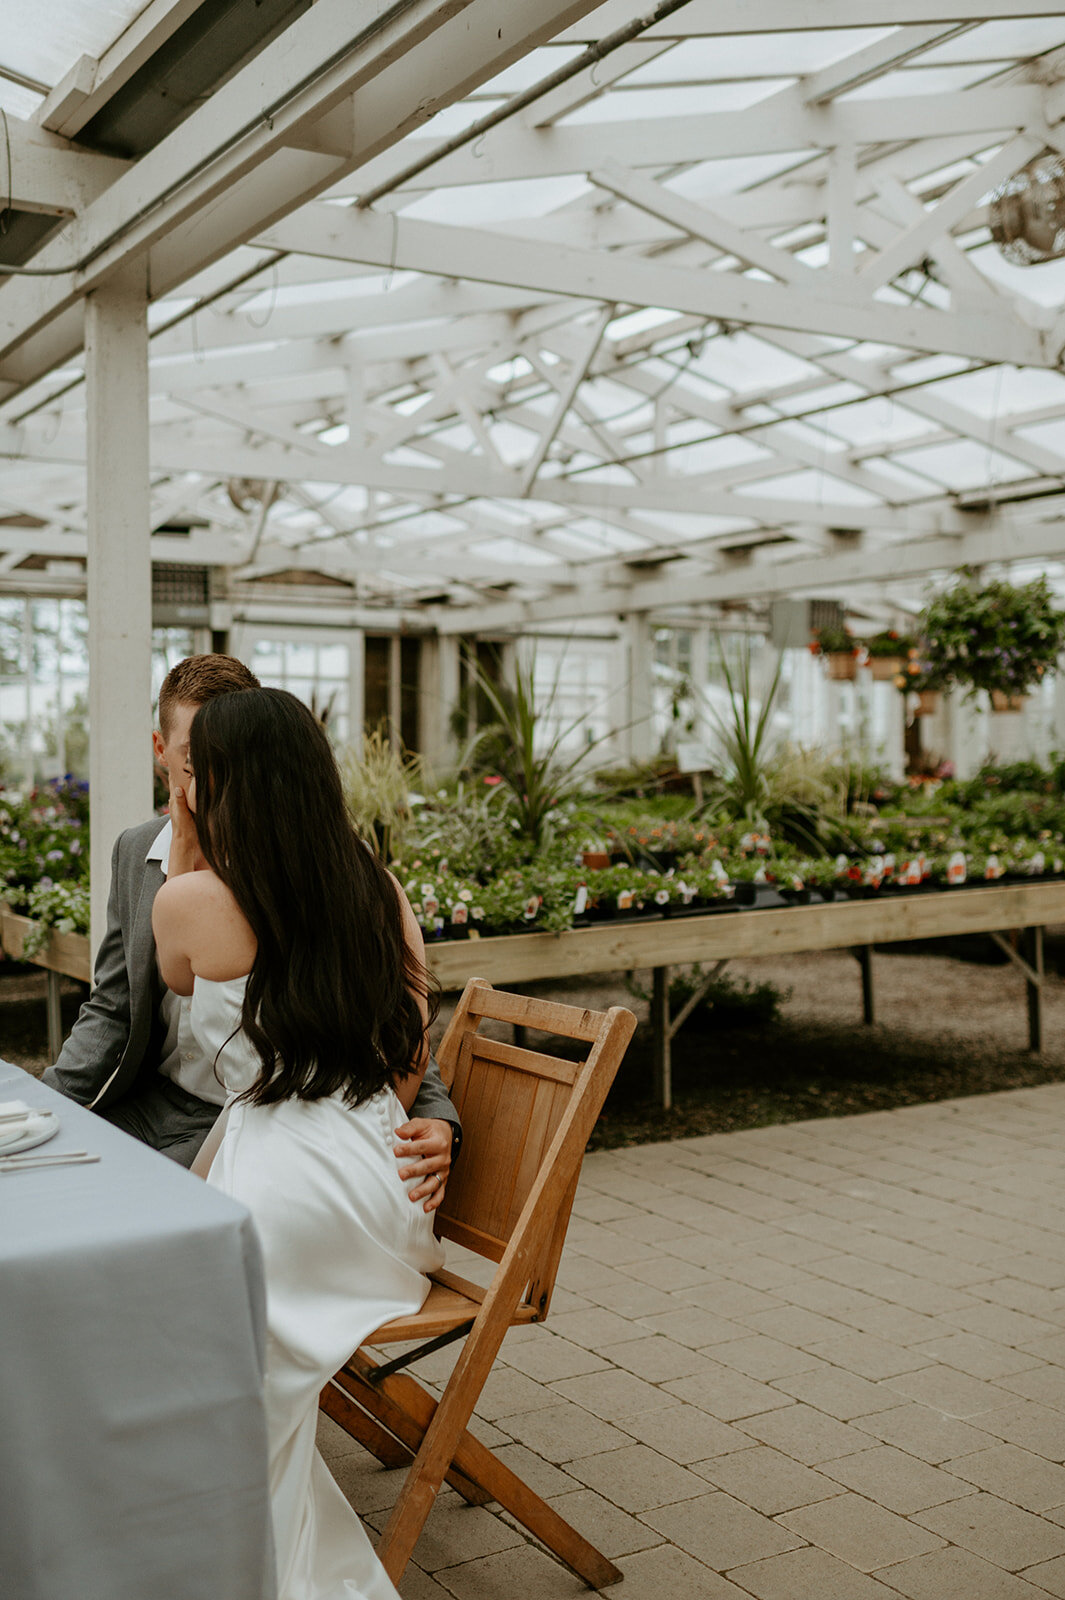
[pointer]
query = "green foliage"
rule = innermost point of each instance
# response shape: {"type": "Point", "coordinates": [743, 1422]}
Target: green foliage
{"type": "Point", "coordinates": [994, 635]}
{"type": "Point", "coordinates": [539, 780]}
{"type": "Point", "coordinates": [888, 643]}
{"type": "Point", "coordinates": [63, 907]}
{"type": "Point", "coordinates": [834, 641]}
{"type": "Point", "coordinates": [44, 838]}
{"type": "Point", "coordinates": [766, 784]}
{"type": "Point", "coordinates": [378, 781]}
{"type": "Point", "coordinates": [729, 1002]}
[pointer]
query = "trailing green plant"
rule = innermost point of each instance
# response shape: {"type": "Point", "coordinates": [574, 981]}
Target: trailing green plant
{"type": "Point", "coordinates": [58, 907]}
{"type": "Point", "coordinates": [994, 635]}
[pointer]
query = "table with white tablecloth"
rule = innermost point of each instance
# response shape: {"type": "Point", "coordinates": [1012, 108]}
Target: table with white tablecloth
{"type": "Point", "coordinates": [133, 1459]}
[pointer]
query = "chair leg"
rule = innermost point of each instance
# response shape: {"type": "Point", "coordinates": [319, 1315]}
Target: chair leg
{"type": "Point", "coordinates": [363, 1428]}
{"type": "Point", "coordinates": [384, 1416]}
{"type": "Point", "coordinates": [406, 1403]}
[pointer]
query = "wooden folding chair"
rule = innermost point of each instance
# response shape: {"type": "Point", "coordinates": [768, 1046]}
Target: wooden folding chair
{"type": "Point", "coordinates": [526, 1118]}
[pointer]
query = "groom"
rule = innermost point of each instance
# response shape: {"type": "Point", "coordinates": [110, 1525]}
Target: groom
{"type": "Point", "coordinates": [132, 1055]}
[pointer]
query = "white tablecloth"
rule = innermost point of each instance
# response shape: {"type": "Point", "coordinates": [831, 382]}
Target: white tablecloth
{"type": "Point", "coordinates": [132, 1436]}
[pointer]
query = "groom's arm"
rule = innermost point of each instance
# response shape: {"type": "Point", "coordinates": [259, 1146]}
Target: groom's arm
{"type": "Point", "coordinates": [100, 1035]}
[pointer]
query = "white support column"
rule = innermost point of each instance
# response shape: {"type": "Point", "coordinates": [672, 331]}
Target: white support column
{"type": "Point", "coordinates": [639, 735]}
{"type": "Point", "coordinates": [356, 687]}
{"type": "Point", "coordinates": [119, 571]}
{"type": "Point", "coordinates": [395, 690]}
{"type": "Point", "coordinates": [439, 695]}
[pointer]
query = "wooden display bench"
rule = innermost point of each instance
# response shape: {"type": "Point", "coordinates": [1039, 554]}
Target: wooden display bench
{"type": "Point", "coordinates": [65, 955]}
{"type": "Point", "coordinates": [1014, 915]}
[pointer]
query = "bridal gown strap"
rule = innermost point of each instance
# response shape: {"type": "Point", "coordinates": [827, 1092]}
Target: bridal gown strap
{"type": "Point", "coordinates": [345, 1250]}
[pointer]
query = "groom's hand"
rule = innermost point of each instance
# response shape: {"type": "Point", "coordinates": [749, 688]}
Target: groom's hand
{"type": "Point", "coordinates": [426, 1152]}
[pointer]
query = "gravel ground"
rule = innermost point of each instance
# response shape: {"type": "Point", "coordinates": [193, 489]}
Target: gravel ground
{"type": "Point", "coordinates": [946, 1027]}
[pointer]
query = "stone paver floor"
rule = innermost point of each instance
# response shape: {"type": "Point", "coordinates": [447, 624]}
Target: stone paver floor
{"type": "Point", "coordinates": [822, 1361]}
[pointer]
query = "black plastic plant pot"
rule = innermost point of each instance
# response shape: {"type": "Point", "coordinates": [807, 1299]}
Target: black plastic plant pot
{"type": "Point", "coordinates": [746, 894]}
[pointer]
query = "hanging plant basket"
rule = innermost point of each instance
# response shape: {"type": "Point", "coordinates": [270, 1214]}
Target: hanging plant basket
{"type": "Point", "coordinates": [885, 668]}
{"type": "Point", "coordinates": [994, 635]}
{"type": "Point", "coordinates": [1007, 702]}
{"type": "Point", "coordinates": [840, 666]}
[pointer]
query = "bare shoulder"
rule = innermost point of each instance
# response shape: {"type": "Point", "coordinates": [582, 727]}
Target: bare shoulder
{"type": "Point", "coordinates": [214, 931]}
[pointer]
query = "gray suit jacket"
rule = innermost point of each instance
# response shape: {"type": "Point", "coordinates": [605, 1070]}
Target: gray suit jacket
{"type": "Point", "coordinates": [115, 1043]}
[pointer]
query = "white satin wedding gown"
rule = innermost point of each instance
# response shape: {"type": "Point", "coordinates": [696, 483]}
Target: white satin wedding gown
{"type": "Point", "coordinates": [344, 1251]}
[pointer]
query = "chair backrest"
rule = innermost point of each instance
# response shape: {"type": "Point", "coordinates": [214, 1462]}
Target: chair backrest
{"type": "Point", "coordinates": [526, 1117]}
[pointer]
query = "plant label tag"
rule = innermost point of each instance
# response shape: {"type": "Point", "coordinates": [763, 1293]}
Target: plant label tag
{"type": "Point", "coordinates": [956, 868]}
{"type": "Point", "coordinates": [580, 902]}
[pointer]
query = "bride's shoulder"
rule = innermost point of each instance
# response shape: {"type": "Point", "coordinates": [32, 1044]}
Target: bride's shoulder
{"type": "Point", "coordinates": [199, 913]}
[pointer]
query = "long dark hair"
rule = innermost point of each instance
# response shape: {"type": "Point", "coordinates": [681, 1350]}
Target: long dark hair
{"type": "Point", "coordinates": [328, 1003]}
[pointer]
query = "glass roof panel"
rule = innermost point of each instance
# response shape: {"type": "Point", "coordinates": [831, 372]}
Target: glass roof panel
{"type": "Point", "coordinates": [1020, 37]}
{"type": "Point", "coordinates": [783, 55]}
{"type": "Point", "coordinates": [43, 42]}
{"type": "Point", "coordinates": [622, 105]}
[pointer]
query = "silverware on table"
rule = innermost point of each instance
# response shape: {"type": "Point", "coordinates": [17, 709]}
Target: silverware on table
{"type": "Point", "coordinates": [28, 1163]}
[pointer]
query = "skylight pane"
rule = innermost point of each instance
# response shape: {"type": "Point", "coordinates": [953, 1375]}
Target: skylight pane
{"type": "Point", "coordinates": [43, 42]}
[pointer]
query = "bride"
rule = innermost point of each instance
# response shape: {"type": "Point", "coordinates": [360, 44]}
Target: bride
{"type": "Point", "coordinates": [304, 962]}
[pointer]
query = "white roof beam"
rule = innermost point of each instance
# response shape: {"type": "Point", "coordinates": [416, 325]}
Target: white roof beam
{"type": "Point", "coordinates": [90, 84]}
{"type": "Point", "coordinates": [625, 280]}
{"type": "Point", "coordinates": [228, 169]}
{"type": "Point", "coordinates": [511, 151]}
{"type": "Point", "coordinates": [49, 175]}
{"type": "Point", "coordinates": [711, 19]}
{"type": "Point", "coordinates": [574, 378]}
{"type": "Point", "coordinates": [766, 578]}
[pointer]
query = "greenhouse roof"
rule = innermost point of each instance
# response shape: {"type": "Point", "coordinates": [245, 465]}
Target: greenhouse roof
{"type": "Point", "coordinates": [504, 314]}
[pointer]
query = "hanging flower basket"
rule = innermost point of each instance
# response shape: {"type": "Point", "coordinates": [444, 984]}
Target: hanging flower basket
{"type": "Point", "coordinates": [886, 654]}
{"type": "Point", "coordinates": [840, 651]}
{"type": "Point", "coordinates": [841, 667]}
{"type": "Point", "coordinates": [1001, 701]}
{"type": "Point", "coordinates": [994, 635]}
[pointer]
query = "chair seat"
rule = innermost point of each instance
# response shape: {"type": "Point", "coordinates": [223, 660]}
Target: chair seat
{"type": "Point", "coordinates": [446, 1307]}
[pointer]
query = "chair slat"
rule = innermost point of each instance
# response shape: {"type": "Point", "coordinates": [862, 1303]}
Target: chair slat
{"type": "Point", "coordinates": [547, 1016]}
{"type": "Point", "coordinates": [512, 1055]}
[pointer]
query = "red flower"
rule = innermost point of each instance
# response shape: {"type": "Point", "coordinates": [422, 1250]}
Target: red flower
{"type": "Point", "coordinates": [493, 781]}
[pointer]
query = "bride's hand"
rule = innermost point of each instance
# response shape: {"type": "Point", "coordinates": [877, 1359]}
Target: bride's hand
{"type": "Point", "coordinates": [426, 1152]}
{"type": "Point", "coordinates": [185, 852]}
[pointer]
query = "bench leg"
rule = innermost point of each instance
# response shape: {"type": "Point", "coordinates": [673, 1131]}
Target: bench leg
{"type": "Point", "coordinates": [1032, 945]}
{"type": "Point", "coordinates": [55, 1016]}
{"type": "Point", "coordinates": [863, 954]}
{"type": "Point", "coordinates": [662, 1037]}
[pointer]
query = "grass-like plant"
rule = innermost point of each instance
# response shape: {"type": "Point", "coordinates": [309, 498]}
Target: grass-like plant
{"type": "Point", "coordinates": [378, 780]}
{"type": "Point", "coordinates": [765, 782]}
{"type": "Point", "coordinates": [539, 777]}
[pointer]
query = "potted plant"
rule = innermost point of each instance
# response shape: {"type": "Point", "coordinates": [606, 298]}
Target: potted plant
{"type": "Point", "coordinates": [840, 650]}
{"type": "Point", "coordinates": [995, 636]}
{"type": "Point", "coordinates": [887, 654]}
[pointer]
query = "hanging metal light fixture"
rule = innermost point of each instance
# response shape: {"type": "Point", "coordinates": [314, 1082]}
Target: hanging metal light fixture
{"type": "Point", "coordinates": [1027, 213]}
